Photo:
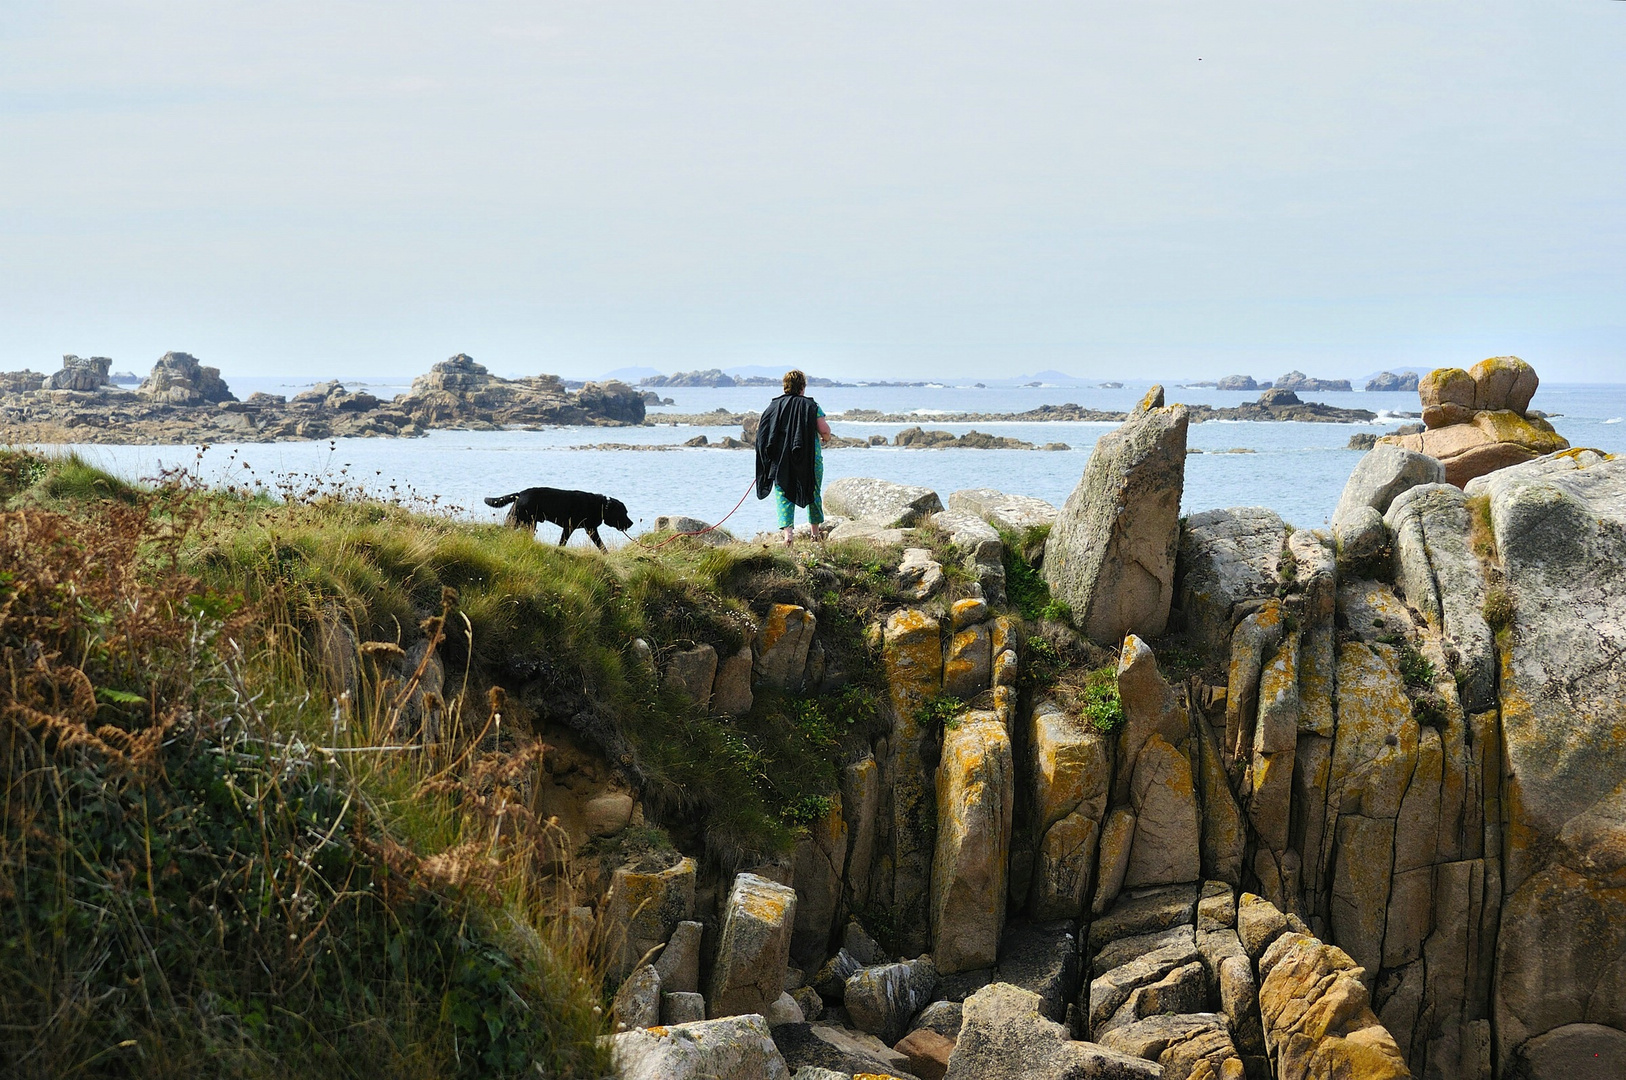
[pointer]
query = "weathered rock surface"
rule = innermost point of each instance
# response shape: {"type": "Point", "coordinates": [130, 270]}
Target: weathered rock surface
{"type": "Point", "coordinates": [753, 948]}
{"type": "Point", "coordinates": [1004, 1037]}
{"type": "Point", "coordinates": [178, 379]}
{"type": "Point", "coordinates": [644, 907]}
{"type": "Point", "coordinates": [1227, 557]}
{"type": "Point", "coordinates": [1072, 778]}
{"type": "Point", "coordinates": [1042, 958]}
{"type": "Point", "coordinates": [1186, 1045]}
{"type": "Point", "coordinates": [678, 965]}
{"type": "Point", "coordinates": [731, 689]}
{"type": "Point", "coordinates": [1167, 838]}
{"type": "Point", "coordinates": [691, 672]}
{"type": "Point", "coordinates": [1383, 473]}
{"type": "Point", "coordinates": [1017, 513]}
{"type": "Point", "coordinates": [1111, 552]}
{"type": "Point", "coordinates": [1390, 381]}
{"type": "Point", "coordinates": [912, 654]}
{"type": "Point", "coordinates": [881, 1000]}
{"type": "Point", "coordinates": [1560, 527]}
{"type": "Point", "coordinates": [782, 645]}
{"type": "Point", "coordinates": [919, 576]}
{"type": "Point", "coordinates": [818, 864]}
{"type": "Point", "coordinates": [1477, 421]}
{"type": "Point", "coordinates": [1437, 570]}
{"type": "Point", "coordinates": [880, 502]}
{"type": "Point", "coordinates": [637, 1003]}
{"type": "Point", "coordinates": [734, 1048]}
{"type": "Point", "coordinates": [976, 795]}
{"type": "Point", "coordinates": [1318, 1020]}
{"type": "Point", "coordinates": [843, 1052]}
{"type": "Point", "coordinates": [980, 544]}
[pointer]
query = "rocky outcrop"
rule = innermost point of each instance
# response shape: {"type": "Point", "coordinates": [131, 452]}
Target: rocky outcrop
{"type": "Point", "coordinates": [1317, 1018]}
{"type": "Point", "coordinates": [1016, 513]}
{"type": "Point", "coordinates": [178, 379]}
{"type": "Point", "coordinates": [881, 1000]}
{"type": "Point", "coordinates": [1227, 559]}
{"type": "Point", "coordinates": [1297, 380]}
{"type": "Point", "coordinates": [1277, 404]}
{"type": "Point", "coordinates": [1560, 529]}
{"type": "Point", "coordinates": [1238, 382]}
{"type": "Point", "coordinates": [1477, 421]}
{"type": "Point", "coordinates": [461, 393]}
{"type": "Point", "coordinates": [81, 373]}
{"type": "Point", "coordinates": [1111, 552]}
{"type": "Point", "coordinates": [1388, 381]}
{"type": "Point", "coordinates": [976, 796]}
{"type": "Point", "coordinates": [1004, 1037]}
{"type": "Point", "coordinates": [1071, 783]}
{"type": "Point", "coordinates": [642, 910]}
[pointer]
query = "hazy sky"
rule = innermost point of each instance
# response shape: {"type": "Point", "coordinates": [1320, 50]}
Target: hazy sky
{"type": "Point", "coordinates": [864, 189]}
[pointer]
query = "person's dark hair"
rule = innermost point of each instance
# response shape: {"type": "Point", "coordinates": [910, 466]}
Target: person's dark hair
{"type": "Point", "coordinates": [795, 382]}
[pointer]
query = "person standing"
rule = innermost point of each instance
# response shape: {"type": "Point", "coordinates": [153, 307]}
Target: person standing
{"type": "Point", "coordinates": [790, 455]}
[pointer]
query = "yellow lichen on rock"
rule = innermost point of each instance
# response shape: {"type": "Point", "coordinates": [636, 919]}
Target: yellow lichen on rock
{"type": "Point", "coordinates": [976, 798]}
{"type": "Point", "coordinates": [1318, 1018]}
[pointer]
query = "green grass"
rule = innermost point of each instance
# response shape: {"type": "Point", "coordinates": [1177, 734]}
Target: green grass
{"type": "Point", "coordinates": [1024, 587]}
{"type": "Point", "coordinates": [245, 903]}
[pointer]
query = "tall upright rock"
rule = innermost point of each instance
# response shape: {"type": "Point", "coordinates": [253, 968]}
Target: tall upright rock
{"type": "Point", "coordinates": [1111, 552]}
{"type": "Point", "coordinates": [1560, 528]}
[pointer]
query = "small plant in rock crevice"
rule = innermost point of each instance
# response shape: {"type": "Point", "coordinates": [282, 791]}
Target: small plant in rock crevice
{"type": "Point", "coordinates": [943, 711]}
{"type": "Point", "coordinates": [1100, 700]}
{"type": "Point", "coordinates": [1498, 608]}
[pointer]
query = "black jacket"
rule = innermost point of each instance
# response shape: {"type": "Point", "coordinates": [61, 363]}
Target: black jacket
{"type": "Point", "coordinates": [787, 440]}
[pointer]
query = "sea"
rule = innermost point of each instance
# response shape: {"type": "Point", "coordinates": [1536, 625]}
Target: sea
{"type": "Point", "coordinates": [1296, 469]}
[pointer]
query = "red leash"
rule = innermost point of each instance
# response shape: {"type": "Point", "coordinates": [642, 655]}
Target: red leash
{"type": "Point", "coordinates": [700, 532]}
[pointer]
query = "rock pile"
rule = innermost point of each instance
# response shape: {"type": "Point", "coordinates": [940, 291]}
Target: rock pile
{"type": "Point", "coordinates": [84, 374]}
{"type": "Point", "coordinates": [184, 401]}
{"type": "Point", "coordinates": [179, 379]}
{"type": "Point", "coordinates": [1478, 421]}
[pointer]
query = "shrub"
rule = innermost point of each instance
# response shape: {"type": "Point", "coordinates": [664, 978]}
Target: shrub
{"type": "Point", "coordinates": [1102, 705]}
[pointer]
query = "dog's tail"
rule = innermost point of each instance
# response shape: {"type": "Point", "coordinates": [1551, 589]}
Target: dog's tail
{"type": "Point", "coordinates": [502, 500]}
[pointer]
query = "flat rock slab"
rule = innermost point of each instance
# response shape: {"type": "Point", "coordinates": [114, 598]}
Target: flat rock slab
{"type": "Point", "coordinates": [735, 1048]}
{"type": "Point", "coordinates": [1018, 513]}
{"type": "Point", "coordinates": [880, 502]}
{"type": "Point", "coordinates": [1145, 911]}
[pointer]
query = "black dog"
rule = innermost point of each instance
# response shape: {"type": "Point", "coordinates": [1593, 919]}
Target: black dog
{"type": "Point", "coordinates": [570, 510]}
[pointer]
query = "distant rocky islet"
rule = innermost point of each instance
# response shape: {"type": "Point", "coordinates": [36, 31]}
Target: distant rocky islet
{"type": "Point", "coordinates": [183, 400]}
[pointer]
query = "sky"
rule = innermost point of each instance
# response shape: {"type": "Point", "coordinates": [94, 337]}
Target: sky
{"type": "Point", "coordinates": [873, 189]}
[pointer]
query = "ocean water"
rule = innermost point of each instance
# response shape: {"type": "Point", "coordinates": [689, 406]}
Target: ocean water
{"type": "Point", "coordinates": [1296, 469]}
